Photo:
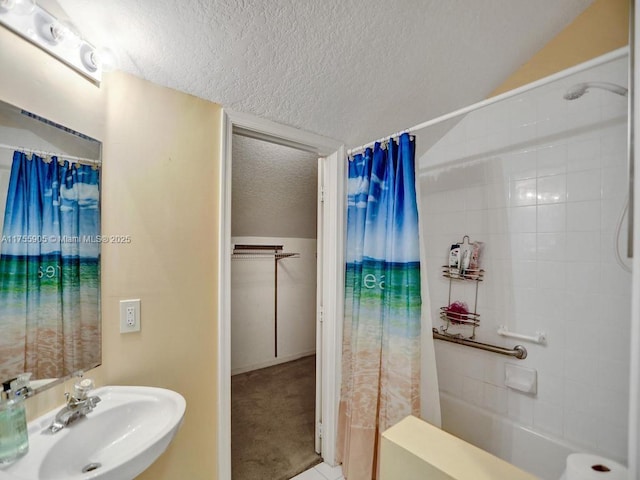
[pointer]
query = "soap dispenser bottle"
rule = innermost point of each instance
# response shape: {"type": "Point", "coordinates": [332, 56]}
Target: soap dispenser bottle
{"type": "Point", "coordinates": [14, 438]}
{"type": "Point", "coordinates": [20, 422]}
{"type": "Point", "coordinates": [8, 451]}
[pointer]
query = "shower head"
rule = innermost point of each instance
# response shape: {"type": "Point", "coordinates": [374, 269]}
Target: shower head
{"type": "Point", "coordinates": [579, 89]}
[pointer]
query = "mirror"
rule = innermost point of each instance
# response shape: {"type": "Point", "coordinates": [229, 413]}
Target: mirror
{"type": "Point", "coordinates": [50, 324]}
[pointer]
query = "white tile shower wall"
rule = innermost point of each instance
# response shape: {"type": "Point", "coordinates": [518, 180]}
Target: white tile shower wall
{"type": "Point", "coordinates": [541, 181]}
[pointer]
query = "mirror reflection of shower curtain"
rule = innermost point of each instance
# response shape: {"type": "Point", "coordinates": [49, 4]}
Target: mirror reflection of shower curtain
{"type": "Point", "coordinates": [49, 268]}
{"type": "Point", "coordinates": [381, 341]}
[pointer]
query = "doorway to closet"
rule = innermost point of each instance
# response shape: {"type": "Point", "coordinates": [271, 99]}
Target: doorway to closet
{"type": "Point", "coordinates": [330, 276]}
{"type": "Point", "coordinates": [274, 205]}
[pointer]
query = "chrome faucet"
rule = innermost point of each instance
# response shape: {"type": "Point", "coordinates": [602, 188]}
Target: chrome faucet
{"type": "Point", "coordinates": [78, 405]}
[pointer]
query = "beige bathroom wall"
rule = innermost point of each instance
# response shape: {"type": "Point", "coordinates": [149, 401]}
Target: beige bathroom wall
{"type": "Point", "coordinates": [601, 28]}
{"type": "Point", "coordinates": [161, 151]}
{"type": "Point", "coordinates": [161, 157]}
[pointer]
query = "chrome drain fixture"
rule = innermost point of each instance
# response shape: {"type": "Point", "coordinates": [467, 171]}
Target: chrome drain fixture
{"type": "Point", "coordinates": [91, 467]}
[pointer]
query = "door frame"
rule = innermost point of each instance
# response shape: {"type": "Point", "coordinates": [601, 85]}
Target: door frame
{"type": "Point", "coordinates": [634, 178]}
{"type": "Point", "coordinates": [332, 265]}
{"type": "Point", "coordinates": [317, 440]}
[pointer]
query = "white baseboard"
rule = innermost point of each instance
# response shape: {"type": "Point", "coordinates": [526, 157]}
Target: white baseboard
{"type": "Point", "coordinates": [271, 363]}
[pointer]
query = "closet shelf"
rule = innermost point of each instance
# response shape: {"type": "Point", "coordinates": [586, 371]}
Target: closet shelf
{"type": "Point", "coordinates": [243, 251]}
{"type": "Point", "coordinates": [254, 256]}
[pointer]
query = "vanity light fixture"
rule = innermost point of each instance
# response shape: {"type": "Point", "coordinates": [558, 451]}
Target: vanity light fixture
{"type": "Point", "coordinates": [39, 27]}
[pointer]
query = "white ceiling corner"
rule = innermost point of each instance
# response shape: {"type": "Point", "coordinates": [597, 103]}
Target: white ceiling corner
{"type": "Point", "coordinates": [351, 70]}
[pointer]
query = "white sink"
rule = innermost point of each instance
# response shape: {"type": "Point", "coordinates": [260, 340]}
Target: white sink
{"type": "Point", "coordinates": [125, 433]}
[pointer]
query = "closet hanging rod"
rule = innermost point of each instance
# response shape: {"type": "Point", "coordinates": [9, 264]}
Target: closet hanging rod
{"type": "Point", "coordinates": [261, 251]}
{"type": "Point", "coordinates": [607, 57]}
{"type": "Point", "coordinates": [62, 156]}
{"type": "Point", "coordinates": [242, 246]}
{"type": "Point", "coordinates": [277, 256]}
{"type": "Point", "coordinates": [518, 351]}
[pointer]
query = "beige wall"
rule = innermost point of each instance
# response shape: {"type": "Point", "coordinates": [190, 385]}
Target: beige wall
{"type": "Point", "coordinates": [161, 154]}
{"type": "Point", "coordinates": [601, 28]}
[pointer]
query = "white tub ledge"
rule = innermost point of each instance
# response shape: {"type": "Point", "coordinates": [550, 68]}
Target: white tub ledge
{"type": "Point", "coordinates": [414, 450]}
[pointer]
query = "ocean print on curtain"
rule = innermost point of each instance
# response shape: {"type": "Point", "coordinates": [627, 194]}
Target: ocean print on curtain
{"type": "Point", "coordinates": [381, 341]}
{"type": "Point", "coordinates": [50, 268]}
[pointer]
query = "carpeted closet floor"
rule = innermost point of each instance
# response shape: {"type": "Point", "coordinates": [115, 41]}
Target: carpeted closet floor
{"type": "Point", "coordinates": [272, 421]}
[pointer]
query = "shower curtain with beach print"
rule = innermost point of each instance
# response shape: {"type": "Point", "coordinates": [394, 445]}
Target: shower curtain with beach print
{"type": "Point", "coordinates": [381, 342]}
{"type": "Point", "coordinates": [49, 268]}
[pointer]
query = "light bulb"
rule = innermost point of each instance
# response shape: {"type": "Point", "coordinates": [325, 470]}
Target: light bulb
{"type": "Point", "coordinates": [65, 35]}
{"type": "Point", "coordinates": [48, 28]}
{"type": "Point", "coordinates": [107, 59]}
{"type": "Point", "coordinates": [19, 7]}
{"type": "Point", "coordinates": [6, 5]}
{"type": "Point", "coordinates": [89, 57]}
{"type": "Point", "coordinates": [58, 32]}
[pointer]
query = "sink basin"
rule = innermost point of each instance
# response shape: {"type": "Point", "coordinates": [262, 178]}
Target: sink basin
{"type": "Point", "coordinates": [125, 433]}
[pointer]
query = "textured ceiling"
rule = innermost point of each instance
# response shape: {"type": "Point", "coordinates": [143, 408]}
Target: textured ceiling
{"type": "Point", "coordinates": [274, 190]}
{"type": "Point", "coordinates": [352, 70]}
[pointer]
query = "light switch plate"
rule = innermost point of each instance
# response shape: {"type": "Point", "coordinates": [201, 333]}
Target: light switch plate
{"type": "Point", "coordinates": [129, 316]}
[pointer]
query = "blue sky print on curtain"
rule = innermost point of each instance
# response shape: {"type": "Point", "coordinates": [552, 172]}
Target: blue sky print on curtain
{"type": "Point", "coordinates": [381, 342]}
{"type": "Point", "coordinates": [50, 268]}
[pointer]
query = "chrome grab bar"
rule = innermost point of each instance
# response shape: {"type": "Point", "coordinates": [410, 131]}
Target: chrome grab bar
{"type": "Point", "coordinates": [518, 351]}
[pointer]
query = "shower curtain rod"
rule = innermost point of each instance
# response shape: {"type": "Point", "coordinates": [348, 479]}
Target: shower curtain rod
{"type": "Point", "coordinates": [44, 153]}
{"type": "Point", "coordinates": [607, 57]}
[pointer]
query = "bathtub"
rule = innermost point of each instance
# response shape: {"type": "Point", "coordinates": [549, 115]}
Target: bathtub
{"type": "Point", "coordinates": [541, 455]}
